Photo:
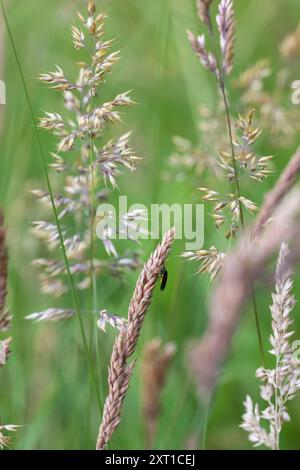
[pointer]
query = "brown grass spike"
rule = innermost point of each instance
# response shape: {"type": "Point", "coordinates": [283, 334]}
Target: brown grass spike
{"type": "Point", "coordinates": [119, 370]}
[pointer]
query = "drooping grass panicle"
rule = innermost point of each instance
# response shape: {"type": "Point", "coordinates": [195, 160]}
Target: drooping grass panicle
{"type": "Point", "coordinates": [241, 161]}
{"type": "Point", "coordinates": [228, 207]}
{"type": "Point", "coordinates": [281, 383]}
{"type": "Point", "coordinates": [120, 370]}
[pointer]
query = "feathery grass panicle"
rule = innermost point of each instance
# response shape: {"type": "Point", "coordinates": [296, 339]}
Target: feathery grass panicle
{"type": "Point", "coordinates": [241, 161]}
{"type": "Point", "coordinates": [227, 208]}
{"type": "Point", "coordinates": [92, 165]}
{"type": "Point", "coordinates": [155, 364]}
{"type": "Point", "coordinates": [279, 384]}
{"type": "Point", "coordinates": [211, 261]}
{"type": "Point", "coordinates": [120, 370]}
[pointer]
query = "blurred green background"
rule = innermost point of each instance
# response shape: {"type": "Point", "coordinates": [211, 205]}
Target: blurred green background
{"type": "Point", "coordinates": [46, 384]}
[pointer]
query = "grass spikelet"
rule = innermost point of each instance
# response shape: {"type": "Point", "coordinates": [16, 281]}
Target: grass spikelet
{"type": "Point", "coordinates": [240, 159]}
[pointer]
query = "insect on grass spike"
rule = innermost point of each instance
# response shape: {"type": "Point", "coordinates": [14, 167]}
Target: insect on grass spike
{"type": "Point", "coordinates": [164, 278]}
